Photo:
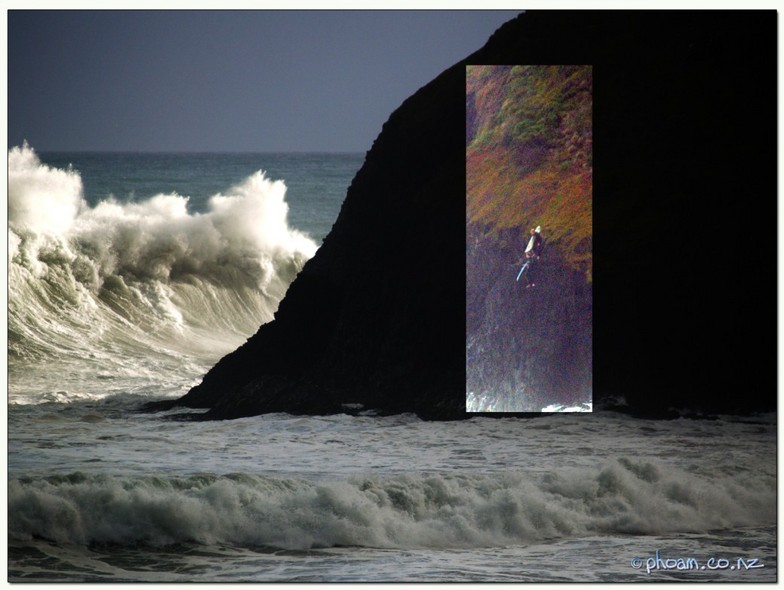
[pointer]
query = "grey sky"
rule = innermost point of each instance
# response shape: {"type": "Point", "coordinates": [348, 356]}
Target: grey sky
{"type": "Point", "coordinates": [224, 80]}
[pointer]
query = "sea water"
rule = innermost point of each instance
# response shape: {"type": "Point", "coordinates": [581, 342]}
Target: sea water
{"type": "Point", "coordinates": [131, 274]}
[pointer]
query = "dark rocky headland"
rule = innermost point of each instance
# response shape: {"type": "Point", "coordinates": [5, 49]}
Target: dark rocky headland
{"type": "Point", "coordinates": [684, 235]}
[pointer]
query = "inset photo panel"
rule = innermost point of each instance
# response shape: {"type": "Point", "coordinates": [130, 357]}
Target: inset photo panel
{"type": "Point", "coordinates": [529, 237]}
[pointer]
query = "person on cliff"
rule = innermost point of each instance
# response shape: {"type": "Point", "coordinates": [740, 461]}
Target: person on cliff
{"type": "Point", "coordinates": [533, 252]}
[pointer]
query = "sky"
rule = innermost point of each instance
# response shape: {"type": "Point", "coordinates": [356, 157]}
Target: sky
{"type": "Point", "coordinates": [234, 80]}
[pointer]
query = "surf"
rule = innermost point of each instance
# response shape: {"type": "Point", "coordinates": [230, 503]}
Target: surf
{"type": "Point", "coordinates": [124, 291]}
{"type": "Point", "coordinates": [445, 511]}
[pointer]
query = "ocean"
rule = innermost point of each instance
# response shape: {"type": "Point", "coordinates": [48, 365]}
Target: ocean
{"type": "Point", "coordinates": [130, 275]}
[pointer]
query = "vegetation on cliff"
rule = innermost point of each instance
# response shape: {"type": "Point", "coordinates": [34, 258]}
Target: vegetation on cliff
{"type": "Point", "coordinates": [529, 154]}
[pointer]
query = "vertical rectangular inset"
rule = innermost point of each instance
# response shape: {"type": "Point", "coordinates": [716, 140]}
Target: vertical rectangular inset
{"type": "Point", "coordinates": [529, 234]}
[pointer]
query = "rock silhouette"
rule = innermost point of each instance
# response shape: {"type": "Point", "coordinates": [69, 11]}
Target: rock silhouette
{"type": "Point", "coordinates": [684, 160]}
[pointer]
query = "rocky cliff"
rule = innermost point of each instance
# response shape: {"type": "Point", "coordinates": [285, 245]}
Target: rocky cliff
{"type": "Point", "coordinates": [526, 348]}
{"type": "Point", "coordinates": [684, 167]}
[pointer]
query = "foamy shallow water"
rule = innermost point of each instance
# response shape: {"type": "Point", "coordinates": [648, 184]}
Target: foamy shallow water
{"type": "Point", "coordinates": [280, 444]}
{"type": "Point", "coordinates": [592, 559]}
{"type": "Point", "coordinates": [110, 494]}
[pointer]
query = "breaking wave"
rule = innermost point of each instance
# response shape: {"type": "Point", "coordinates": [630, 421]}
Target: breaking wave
{"type": "Point", "coordinates": [620, 496]}
{"type": "Point", "coordinates": [124, 288]}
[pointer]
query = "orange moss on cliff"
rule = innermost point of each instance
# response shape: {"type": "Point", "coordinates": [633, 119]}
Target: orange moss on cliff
{"type": "Point", "coordinates": [529, 161]}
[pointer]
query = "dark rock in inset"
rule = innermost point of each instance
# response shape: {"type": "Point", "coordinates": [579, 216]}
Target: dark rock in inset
{"type": "Point", "coordinates": [527, 347]}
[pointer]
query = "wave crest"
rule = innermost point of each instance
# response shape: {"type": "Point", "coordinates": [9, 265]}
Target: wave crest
{"type": "Point", "coordinates": [405, 511]}
{"type": "Point", "coordinates": [41, 198]}
{"type": "Point", "coordinates": [142, 275]}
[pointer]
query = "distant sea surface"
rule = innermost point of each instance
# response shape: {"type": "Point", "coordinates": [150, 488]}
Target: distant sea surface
{"type": "Point", "coordinates": [130, 275]}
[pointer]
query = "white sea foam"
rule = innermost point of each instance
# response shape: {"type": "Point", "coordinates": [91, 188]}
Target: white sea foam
{"type": "Point", "coordinates": [131, 279]}
{"type": "Point", "coordinates": [583, 407]}
{"type": "Point", "coordinates": [561, 497]}
{"type": "Point", "coordinates": [622, 496]}
{"type": "Point", "coordinates": [41, 198]}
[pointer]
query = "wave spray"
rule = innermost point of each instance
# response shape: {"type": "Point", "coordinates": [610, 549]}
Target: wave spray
{"type": "Point", "coordinates": [119, 290]}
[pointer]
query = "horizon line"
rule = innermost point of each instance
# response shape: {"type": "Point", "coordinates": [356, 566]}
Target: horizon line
{"type": "Point", "coordinates": [195, 152]}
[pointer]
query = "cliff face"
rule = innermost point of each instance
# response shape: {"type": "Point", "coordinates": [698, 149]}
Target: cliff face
{"type": "Point", "coordinates": [680, 318]}
{"type": "Point", "coordinates": [525, 348]}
